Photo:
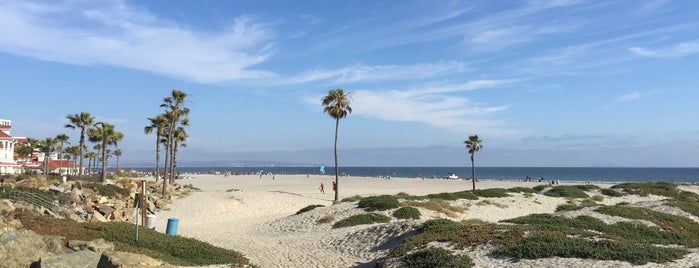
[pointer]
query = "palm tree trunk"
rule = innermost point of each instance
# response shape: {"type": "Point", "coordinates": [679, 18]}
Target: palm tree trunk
{"type": "Point", "coordinates": [165, 178]}
{"type": "Point", "coordinates": [473, 173]}
{"type": "Point", "coordinates": [157, 156]}
{"type": "Point", "coordinates": [82, 145]}
{"type": "Point", "coordinates": [104, 162]}
{"type": "Point", "coordinates": [174, 163]}
{"type": "Point", "coordinates": [337, 171]}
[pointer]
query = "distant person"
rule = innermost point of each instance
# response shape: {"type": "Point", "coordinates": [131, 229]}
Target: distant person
{"type": "Point", "coordinates": [322, 188]}
{"type": "Point", "coordinates": [334, 186]}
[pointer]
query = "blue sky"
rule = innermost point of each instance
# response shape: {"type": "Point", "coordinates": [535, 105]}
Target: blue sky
{"type": "Point", "coordinates": [543, 83]}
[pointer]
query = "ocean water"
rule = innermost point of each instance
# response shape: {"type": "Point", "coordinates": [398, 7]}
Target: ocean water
{"type": "Point", "coordinates": [564, 174]}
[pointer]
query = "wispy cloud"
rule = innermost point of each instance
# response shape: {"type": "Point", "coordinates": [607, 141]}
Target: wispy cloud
{"type": "Point", "coordinates": [363, 73]}
{"type": "Point", "coordinates": [631, 96]}
{"type": "Point", "coordinates": [115, 34]}
{"type": "Point", "coordinates": [433, 106]}
{"type": "Point", "coordinates": [675, 51]}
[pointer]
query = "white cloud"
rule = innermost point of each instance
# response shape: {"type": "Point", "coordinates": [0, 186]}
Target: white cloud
{"type": "Point", "coordinates": [432, 106]}
{"type": "Point", "coordinates": [676, 51]}
{"type": "Point", "coordinates": [115, 34]}
{"type": "Point", "coordinates": [632, 96]}
{"type": "Point", "coordinates": [362, 73]}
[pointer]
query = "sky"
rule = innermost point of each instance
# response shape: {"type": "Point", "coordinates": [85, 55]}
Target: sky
{"type": "Point", "coordinates": [543, 83]}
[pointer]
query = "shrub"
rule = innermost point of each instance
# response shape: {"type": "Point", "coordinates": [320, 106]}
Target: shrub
{"type": "Point", "coordinates": [521, 190]}
{"type": "Point", "coordinates": [644, 189]}
{"type": "Point", "coordinates": [407, 213]}
{"type": "Point", "coordinates": [359, 219]}
{"type": "Point", "coordinates": [381, 202]}
{"type": "Point", "coordinates": [597, 198]}
{"type": "Point", "coordinates": [453, 196]}
{"type": "Point", "coordinates": [351, 198]}
{"type": "Point", "coordinates": [326, 219]}
{"type": "Point", "coordinates": [566, 191]}
{"type": "Point", "coordinates": [436, 257]}
{"type": "Point", "coordinates": [441, 226]}
{"type": "Point", "coordinates": [611, 192]}
{"type": "Point", "coordinates": [107, 189]}
{"type": "Point", "coordinates": [437, 205]}
{"type": "Point", "coordinates": [540, 188]}
{"type": "Point", "coordinates": [308, 208]}
{"type": "Point", "coordinates": [492, 192]}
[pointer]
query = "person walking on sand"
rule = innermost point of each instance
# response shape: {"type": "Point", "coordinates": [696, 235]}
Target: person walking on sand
{"type": "Point", "coordinates": [334, 186]}
{"type": "Point", "coordinates": [322, 188]}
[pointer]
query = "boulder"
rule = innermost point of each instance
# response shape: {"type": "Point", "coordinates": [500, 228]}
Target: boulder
{"type": "Point", "coordinates": [78, 259]}
{"type": "Point", "coordinates": [98, 217]}
{"type": "Point", "coordinates": [114, 259]}
{"type": "Point", "coordinates": [21, 248]}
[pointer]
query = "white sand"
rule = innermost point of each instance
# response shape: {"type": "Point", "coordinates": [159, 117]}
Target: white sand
{"type": "Point", "coordinates": [254, 216]}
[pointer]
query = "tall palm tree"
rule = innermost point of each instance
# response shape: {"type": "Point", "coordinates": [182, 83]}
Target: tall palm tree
{"type": "Point", "coordinates": [61, 138]}
{"type": "Point", "coordinates": [47, 146]}
{"type": "Point", "coordinates": [473, 145]}
{"type": "Point", "coordinates": [91, 157]}
{"type": "Point", "coordinates": [180, 138]}
{"type": "Point", "coordinates": [73, 152]}
{"type": "Point", "coordinates": [158, 123]}
{"type": "Point", "coordinates": [33, 143]}
{"type": "Point", "coordinates": [83, 121]}
{"type": "Point", "coordinates": [176, 114]}
{"type": "Point", "coordinates": [106, 135]}
{"type": "Point", "coordinates": [337, 105]}
{"type": "Point", "coordinates": [117, 153]}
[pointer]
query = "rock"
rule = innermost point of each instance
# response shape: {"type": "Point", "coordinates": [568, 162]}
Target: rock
{"type": "Point", "coordinates": [114, 259]}
{"type": "Point", "coordinates": [106, 210]}
{"type": "Point", "coordinates": [22, 248]}
{"type": "Point", "coordinates": [54, 244]}
{"type": "Point", "coordinates": [6, 206]}
{"type": "Point", "coordinates": [100, 245]}
{"type": "Point", "coordinates": [98, 217]}
{"type": "Point", "coordinates": [78, 259]}
{"type": "Point", "coordinates": [103, 200]}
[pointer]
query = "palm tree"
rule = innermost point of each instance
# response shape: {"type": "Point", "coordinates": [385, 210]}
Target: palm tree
{"type": "Point", "coordinates": [337, 105]}
{"type": "Point", "coordinates": [91, 157]}
{"type": "Point", "coordinates": [176, 114]}
{"type": "Point", "coordinates": [47, 146]}
{"type": "Point", "coordinates": [158, 123]}
{"type": "Point", "coordinates": [117, 153]}
{"type": "Point", "coordinates": [180, 138]}
{"type": "Point", "coordinates": [106, 135]}
{"type": "Point", "coordinates": [72, 151]}
{"type": "Point", "coordinates": [473, 145]}
{"type": "Point", "coordinates": [33, 143]}
{"type": "Point", "coordinates": [62, 138]}
{"type": "Point", "coordinates": [83, 121]}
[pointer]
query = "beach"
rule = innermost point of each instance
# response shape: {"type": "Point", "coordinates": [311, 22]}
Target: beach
{"type": "Point", "coordinates": [254, 215]}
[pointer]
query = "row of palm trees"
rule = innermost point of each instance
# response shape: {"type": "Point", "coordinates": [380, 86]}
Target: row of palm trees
{"type": "Point", "coordinates": [169, 128]}
{"type": "Point", "coordinates": [102, 134]}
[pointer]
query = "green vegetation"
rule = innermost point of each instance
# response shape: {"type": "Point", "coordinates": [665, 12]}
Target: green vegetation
{"type": "Point", "coordinates": [566, 191]}
{"type": "Point", "coordinates": [437, 205]}
{"type": "Point", "coordinates": [453, 196]}
{"type": "Point", "coordinates": [308, 208]}
{"type": "Point", "coordinates": [611, 192]}
{"type": "Point", "coordinates": [352, 198]}
{"type": "Point", "coordinates": [540, 188]}
{"type": "Point", "coordinates": [359, 219]}
{"type": "Point", "coordinates": [436, 257]}
{"type": "Point", "coordinates": [6, 192]}
{"type": "Point", "coordinates": [521, 190]}
{"type": "Point", "coordinates": [492, 192]}
{"type": "Point", "coordinates": [175, 250]}
{"type": "Point", "coordinates": [407, 213]}
{"type": "Point", "coordinates": [647, 188]}
{"type": "Point", "coordinates": [106, 189]}
{"type": "Point", "coordinates": [326, 219]}
{"type": "Point", "coordinates": [381, 202]}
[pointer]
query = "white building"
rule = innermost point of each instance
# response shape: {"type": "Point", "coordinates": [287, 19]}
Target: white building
{"type": "Point", "coordinates": [7, 149]}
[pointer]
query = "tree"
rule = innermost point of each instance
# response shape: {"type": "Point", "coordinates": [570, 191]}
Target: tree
{"type": "Point", "coordinates": [47, 146]}
{"type": "Point", "coordinates": [117, 153]}
{"type": "Point", "coordinates": [159, 124]}
{"type": "Point", "coordinates": [33, 143]}
{"type": "Point", "coordinates": [83, 121]}
{"type": "Point", "coordinates": [176, 115]}
{"type": "Point", "coordinates": [337, 105]}
{"type": "Point", "coordinates": [61, 138]}
{"type": "Point", "coordinates": [105, 134]}
{"type": "Point", "coordinates": [180, 138]}
{"type": "Point", "coordinates": [473, 145]}
{"type": "Point", "coordinates": [91, 157]}
{"type": "Point", "coordinates": [74, 152]}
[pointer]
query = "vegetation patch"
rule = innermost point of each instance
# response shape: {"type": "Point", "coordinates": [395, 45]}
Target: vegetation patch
{"type": "Point", "coordinates": [351, 198]}
{"type": "Point", "coordinates": [521, 190]}
{"type": "Point", "coordinates": [175, 250]}
{"type": "Point", "coordinates": [308, 208]}
{"type": "Point", "coordinates": [492, 192]}
{"type": "Point", "coordinates": [665, 221]}
{"type": "Point", "coordinates": [566, 191]}
{"type": "Point", "coordinates": [110, 190]}
{"type": "Point", "coordinates": [6, 192]}
{"type": "Point", "coordinates": [453, 196]}
{"type": "Point", "coordinates": [488, 203]}
{"type": "Point", "coordinates": [381, 202]}
{"type": "Point", "coordinates": [436, 257]}
{"type": "Point", "coordinates": [648, 188]}
{"type": "Point", "coordinates": [326, 219]}
{"type": "Point", "coordinates": [438, 206]}
{"type": "Point", "coordinates": [611, 192]}
{"type": "Point", "coordinates": [359, 219]}
{"type": "Point", "coordinates": [407, 213]}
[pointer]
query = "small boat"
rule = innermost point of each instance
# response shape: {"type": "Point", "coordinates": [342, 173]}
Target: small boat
{"type": "Point", "coordinates": [452, 176]}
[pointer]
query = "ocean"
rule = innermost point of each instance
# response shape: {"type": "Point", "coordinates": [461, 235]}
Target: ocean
{"type": "Point", "coordinates": [564, 174]}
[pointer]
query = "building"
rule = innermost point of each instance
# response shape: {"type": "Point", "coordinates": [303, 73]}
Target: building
{"type": "Point", "coordinates": [7, 149]}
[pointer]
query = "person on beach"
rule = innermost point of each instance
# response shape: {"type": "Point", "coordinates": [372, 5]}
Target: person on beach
{"type": "Point", "coordinates": [334, 186]}
{"type": "Point", "coordinates": [322, 188]}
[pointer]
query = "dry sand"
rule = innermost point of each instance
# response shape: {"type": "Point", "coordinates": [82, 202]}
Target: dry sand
{"type": "Point", "coordinates": [255, 216]}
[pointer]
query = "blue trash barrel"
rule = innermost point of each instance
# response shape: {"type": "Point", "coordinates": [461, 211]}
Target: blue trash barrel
{"type": "Point", "coordinates": [172, 226]}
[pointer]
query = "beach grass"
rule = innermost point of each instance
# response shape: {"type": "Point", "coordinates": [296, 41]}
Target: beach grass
{"type": "Point", "coordinates": [175, 250]}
